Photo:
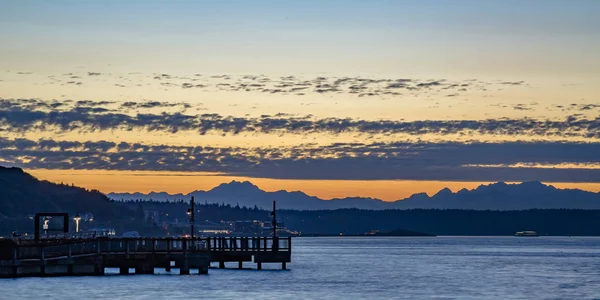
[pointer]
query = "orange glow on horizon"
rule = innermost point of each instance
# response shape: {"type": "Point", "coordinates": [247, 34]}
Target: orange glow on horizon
{"type": "Point", "coordinates": [185, 182]}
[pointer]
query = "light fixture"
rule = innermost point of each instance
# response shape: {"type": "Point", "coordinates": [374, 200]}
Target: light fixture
{"type": "Point", "coordinates": [77, 218]}
{"type": "Point", "coordinates": [46, 226]}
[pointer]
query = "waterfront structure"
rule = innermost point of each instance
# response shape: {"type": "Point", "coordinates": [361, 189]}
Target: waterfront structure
{"type": "Point", "coordinates": [78, 256]}
{"type": "Point", "coordinates": [68, 254]}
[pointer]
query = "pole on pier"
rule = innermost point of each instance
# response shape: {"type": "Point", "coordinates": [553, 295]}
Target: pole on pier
{"type": "Point", "coordinates": [192, 219]}
{"type": "Point", "coordinates": [123, 270]}
{"type": "Point", "coordinates": [274, 214]}
{"type": "Point", "coordinates": [275, 238]}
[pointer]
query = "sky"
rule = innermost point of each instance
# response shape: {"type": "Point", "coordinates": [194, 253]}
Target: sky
{"type": "Point", "coordinates": [335, 98]}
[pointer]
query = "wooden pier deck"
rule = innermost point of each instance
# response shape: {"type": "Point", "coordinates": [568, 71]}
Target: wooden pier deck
{"type": "Point", "coordinates": [78, 257]}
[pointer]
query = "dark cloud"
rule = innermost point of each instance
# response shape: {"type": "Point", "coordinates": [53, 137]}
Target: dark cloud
{"type": "Point", "coordinates": [90, 110]}
{"type": "Point", "coordinates": [153, 104]}
{"type": "Point", "coordinates": [429, 84]}
{"type": "Point", "coordinates": [289, 85]}
{"type": "Point", "coordinates": [521, 107]}
{"type": "Point", "coordinates": [16, 117]}
{"type": "Point", "coordinates": [162, 76]}
{"type": "Point", "coordinates": [513, 82]}
{"type": "Point", "coordinates": [187, 85]}
{"type": "Point", "coordinates": [92, 103]}
{"type": "Point", "coordinates": [579, 107]}
{"type": "Point", "coordinates": [416, 161]}
{"type": "Point", "coordinates": [31, 104]}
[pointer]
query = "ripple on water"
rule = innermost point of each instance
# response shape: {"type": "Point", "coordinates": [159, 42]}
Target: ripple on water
{"type": "Point", "coordinates": [365, 268]}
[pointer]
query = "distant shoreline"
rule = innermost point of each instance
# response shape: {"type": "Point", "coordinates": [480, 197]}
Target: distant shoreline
{"type": "Point", "coordinates": [397, 232]}
{"type": "Point", "coordinates": [360, 235]}
{"type": "Point", "coordinates": [446, 236]}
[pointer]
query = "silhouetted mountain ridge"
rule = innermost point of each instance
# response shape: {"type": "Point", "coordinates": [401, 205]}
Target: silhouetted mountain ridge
{"type": "Point", "coordinates": [23, 194]}
{"type": "Point", "coordinates": [495, 196]}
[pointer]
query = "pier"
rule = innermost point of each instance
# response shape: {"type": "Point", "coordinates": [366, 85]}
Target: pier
{"type": "Point", "coordinates": [90, 256]}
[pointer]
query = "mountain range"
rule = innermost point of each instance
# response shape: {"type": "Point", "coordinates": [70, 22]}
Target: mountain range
{"type": "Point", "coordinates": [496, 196]}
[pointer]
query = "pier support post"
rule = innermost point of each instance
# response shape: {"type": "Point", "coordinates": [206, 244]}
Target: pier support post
{"type": "Point", "coordinates": [15, 268]}
{"type": "Point", "coordinates": [124, 271]}
{"type": "Point", "coordinates": [240, 265]}
{"type": "Point", "coordinates": [283, 265]}
{"type": "Point", "coordinates": [203, 270]}
{"type": "Point", "coordinates": [42, 261]}
{"type": "Point", "coordinates": [185, 269]}
{"type": "Point", "coordinates": [144, 269]}
{"type": "Point", "coordinates": [221, 265]}
{"type": "Point", "coordinates": [98, 269]}
{"type": "Point", "coordinates": [259, 265]}
{"type": "Point", "coordinates": [70, 261]}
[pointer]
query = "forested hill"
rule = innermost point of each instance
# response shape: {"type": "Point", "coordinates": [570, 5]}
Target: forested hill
{"type": "Point", "coordinates": [357, 221]}
{"type": "Point", "coordinates": [22, 194]}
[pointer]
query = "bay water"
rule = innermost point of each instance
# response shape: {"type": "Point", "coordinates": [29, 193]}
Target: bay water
{"type": "Point", "coordinates": [364, 268]}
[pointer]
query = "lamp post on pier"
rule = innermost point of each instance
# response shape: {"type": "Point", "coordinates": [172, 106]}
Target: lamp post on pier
{"type": "Point", "coordinates": [46, 226]}
{"type": "Point", "coordinates": [77, 218]}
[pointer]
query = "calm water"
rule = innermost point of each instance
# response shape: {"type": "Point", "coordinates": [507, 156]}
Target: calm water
{"type": "Point", "coordinates": [367, 268]}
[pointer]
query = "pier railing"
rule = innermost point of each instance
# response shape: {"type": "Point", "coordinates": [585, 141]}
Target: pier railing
{"type": "Point", "coordinates": [60, 248]}
{"type": "Point", "coordinates": [254, 244]}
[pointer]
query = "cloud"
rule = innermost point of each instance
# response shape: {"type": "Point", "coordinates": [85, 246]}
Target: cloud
{"type": "Point", "coordinates": [429, 84]}
{"type": "Point", "coordinates": [401, 160]}
{"type": "Point", "coordinates": [152, 104]}
{"type": "Point", "coordinates": [513, 82]}
{"type": "Point", "coordinates": [579, 107]}
{"type": "Point", "coordinates": [21, 115]}
{"type": "Point", "coordinates": [92, 103]}
{"type": "Point", "coordinates": [290, 85]}
{"type": "Point", "coordinates": [521, 107]}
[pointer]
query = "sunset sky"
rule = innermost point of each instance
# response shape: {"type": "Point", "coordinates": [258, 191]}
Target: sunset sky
{"type": "Point", "coordinates": [335, 98]}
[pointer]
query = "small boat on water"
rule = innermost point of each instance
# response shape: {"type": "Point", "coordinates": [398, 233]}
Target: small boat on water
{"type": "Point", "coordinates": [526, 233]}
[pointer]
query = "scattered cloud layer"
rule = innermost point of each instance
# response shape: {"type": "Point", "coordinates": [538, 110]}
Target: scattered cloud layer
{"type": "Point", "coordinates": [22, 115]}
{"type": "Point", "coordinates": [532, 159]}
{"type": "Point", "coordinates": [513, 161]}
{"type": "Point", "coordinates": [288, 85]}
